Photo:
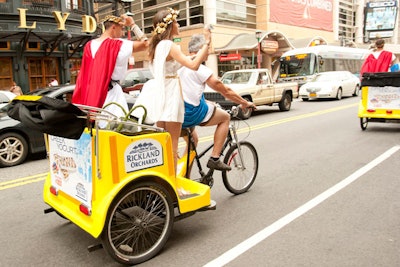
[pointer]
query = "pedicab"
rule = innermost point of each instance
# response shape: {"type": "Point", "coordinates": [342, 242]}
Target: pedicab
{"type": "Point", "coordinates": [380, 98]}
{"type": "Point", "coordinates": [117, 181]}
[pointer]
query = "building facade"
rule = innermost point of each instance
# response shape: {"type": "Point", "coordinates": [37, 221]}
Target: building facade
{"type": "Point", "coordinates": [41, 40]}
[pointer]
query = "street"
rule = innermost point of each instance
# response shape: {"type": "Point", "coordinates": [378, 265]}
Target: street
{"type": "Point", "coordinates": [326, 194]}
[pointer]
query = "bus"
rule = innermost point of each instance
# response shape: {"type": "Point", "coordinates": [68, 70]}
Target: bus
{"type": "Point", "coordinates": [302, 64]}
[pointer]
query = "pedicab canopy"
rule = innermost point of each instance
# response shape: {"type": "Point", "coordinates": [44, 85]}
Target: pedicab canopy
{"type": "Point", "coordinates": [48, 115]}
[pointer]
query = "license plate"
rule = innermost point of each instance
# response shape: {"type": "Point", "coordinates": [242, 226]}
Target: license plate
{"type": "Point", "coordinates": [313, 94]}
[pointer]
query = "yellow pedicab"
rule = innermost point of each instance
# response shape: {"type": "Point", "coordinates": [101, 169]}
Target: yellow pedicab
{"type": "Point", "coordinates": [119, 185]}
{"type": "Point", "coordinates": [380, 98]}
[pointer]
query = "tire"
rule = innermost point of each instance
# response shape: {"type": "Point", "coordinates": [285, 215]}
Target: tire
{"type": "Point", "coordinates": [13, 149]}
{"type": "Point", "coordinates": [363, 123]}
{"type": "Point", "coordinates": [286, 102]}
{"type": "Point", "coordinates": [339, 94]}
{"type": "Point", "coordinates": [356, 90]}
{"type": "Point", "coordinates": [305, 99]}
{"type": "Point", "coordinates": [138, 223]}
{"type": "Point", "coordinates": [245, 114]}
{"type": "Point", "coordinates": [239, 179]}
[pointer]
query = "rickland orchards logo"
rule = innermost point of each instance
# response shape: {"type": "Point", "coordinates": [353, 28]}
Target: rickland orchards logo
{"type": "Point", "coordinates": [143, 154]}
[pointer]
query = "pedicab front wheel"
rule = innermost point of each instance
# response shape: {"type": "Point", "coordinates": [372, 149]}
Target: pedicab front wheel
{"type": "Point", "coordinates": [138, 223]}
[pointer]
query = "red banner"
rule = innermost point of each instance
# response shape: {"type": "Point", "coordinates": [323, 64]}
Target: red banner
{"type": "Point", "coordinates": [229, 57]}
{"type": "Point", "coordinates": [303, 13]}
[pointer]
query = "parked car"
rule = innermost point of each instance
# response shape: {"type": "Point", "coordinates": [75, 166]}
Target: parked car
{"type": "Point", "coordinates": [6, 97]}
{"type": "Point", "coordinates": [134, 80]}
{"type": "Point", "coordinates": [17, 141]}
{"type": "Point", "coordinates": [257, 86]}
{"type": "Point", "coordinates": [331, 84]}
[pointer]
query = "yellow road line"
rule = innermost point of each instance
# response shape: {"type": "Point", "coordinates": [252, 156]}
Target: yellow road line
{"type": "Point", "coordinates": [41, 177]}
{"type": "Point", "coordinates": [23, 181]}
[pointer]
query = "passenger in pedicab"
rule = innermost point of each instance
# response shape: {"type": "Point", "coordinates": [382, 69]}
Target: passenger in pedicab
{"type": "Point", "coordinates": [199, 111]}
{"type": "Point", "coordinates": [379, 60]}
{"type": "Point", "coordinates": [104, 64]}
{"type": "Point", "coordinates": [162, 96]}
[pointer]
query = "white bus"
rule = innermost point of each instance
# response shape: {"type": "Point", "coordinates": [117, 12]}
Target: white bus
{"type": "Point", "coordinates": [302, 64]}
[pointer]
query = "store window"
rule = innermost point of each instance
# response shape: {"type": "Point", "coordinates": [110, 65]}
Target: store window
{"type": "Point", "coordinates": [75, 65]}
{"type": "Point", "coordinates": [5, 73]}
{"type": "Point", "coordinates": [190, 12]}
{"type": "Point", "coordinates": [239, 13]}
{"type": "Point", "coordinates": [42, 71]}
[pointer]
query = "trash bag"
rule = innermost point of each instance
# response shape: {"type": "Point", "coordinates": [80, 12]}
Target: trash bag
{"type": "Point", "coordinates": [48, 115]}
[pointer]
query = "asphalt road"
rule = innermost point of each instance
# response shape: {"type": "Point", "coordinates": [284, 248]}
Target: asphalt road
{"type": "Point", "coordinates": [327, 194]}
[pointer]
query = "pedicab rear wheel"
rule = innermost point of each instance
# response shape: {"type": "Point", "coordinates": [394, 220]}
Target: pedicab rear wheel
{"type": "Point", "coordinates": [138, 223]}
{"type": "Point", "coordinates": [363, 123]}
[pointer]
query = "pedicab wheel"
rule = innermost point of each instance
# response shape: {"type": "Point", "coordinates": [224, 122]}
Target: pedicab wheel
{"type": "Point", "coordinates": [138, 223]}
{"type": "Point", "coordinates": [242, 176]}
{"type": "Point", "coordinates": [363, 123]}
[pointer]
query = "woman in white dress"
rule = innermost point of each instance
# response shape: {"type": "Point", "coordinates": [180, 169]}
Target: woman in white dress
{"type": "Point", "coordinates": [166, 58]}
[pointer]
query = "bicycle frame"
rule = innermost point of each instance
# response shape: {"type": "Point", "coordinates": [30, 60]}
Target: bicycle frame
{"type": "Point", "coordinates": [230, 140]}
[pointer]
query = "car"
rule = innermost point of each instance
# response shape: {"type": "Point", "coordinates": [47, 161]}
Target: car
{"type": "Point", "coordinates": [331, 84]}
{"type": "Point", "coordinates": [6, 97]}
{"type": "Point", "coordinates": [18, 142]}
{"type": "Point", "coordinates": [134, 80]}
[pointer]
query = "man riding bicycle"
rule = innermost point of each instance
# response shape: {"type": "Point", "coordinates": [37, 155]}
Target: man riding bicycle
{"type": "Point", "coordinates": [198, 111]}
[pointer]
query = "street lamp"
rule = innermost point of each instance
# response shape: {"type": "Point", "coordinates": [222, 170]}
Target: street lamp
{"type": "Point", "coordinates": [258, 37]}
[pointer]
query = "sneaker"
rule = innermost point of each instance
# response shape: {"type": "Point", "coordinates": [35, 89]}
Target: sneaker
{"type": "Point", "coordinates": [218, 165]}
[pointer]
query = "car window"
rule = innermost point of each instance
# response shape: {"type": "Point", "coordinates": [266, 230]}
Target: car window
{"type": "Point", "coordinates": [147, 75]}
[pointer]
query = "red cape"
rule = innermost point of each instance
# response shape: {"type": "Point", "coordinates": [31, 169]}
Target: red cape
{"type": "Point", "coordinates": [95, 74]}
{"type": "Point", "coordinates": [380, 64]}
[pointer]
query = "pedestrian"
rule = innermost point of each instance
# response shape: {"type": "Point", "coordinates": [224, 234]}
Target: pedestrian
{"type": "Point", "coordinates": [15, 89]}
{"type": "Point", "coordinates": [53, 82]}
{"type": "Point", "coordinates": [165, 60]}
{"type": "Point", "coordinates": [379, 60]}
{"type": "Point", "coordinates": [104, 64]}
{"type": "Point", "coordinates": [199, 111]}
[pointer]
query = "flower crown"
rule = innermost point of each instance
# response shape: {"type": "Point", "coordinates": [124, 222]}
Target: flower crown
{"type": "Point", "coordinates": [168, 19]}
{"type": "Point", "coordinates": [112, 18]}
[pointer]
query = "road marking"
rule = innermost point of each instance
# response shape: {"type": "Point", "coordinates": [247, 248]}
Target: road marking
{"type": "Point", "coordinates": [279, 224]}
{"type": "Point", "coordinates": [23, 181]}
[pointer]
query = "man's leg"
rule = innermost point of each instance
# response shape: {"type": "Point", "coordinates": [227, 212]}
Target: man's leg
{"type": "Point", "coordinates": [221, 119]}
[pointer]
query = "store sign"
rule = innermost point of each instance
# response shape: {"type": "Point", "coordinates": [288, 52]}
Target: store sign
{"type": "Point", "coordinates": [230, 57]}
{"type": "Point", "coordinates": [89, 24]}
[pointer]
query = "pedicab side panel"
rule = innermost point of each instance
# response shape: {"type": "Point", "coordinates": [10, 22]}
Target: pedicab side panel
{"type": "Point", "coordinates": [120, 161]}
{"type": "Point", "coordinates": [380, 98]}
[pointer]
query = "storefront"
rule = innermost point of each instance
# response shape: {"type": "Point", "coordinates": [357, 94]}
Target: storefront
{"type": "Point", "coordinates": [41, 41]}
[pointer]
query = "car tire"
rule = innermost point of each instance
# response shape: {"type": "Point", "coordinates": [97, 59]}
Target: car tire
{"type": "Point", "coordinates": [339, 94]}
{"type": "Point", "coordinates": [13, 149]}
{"type": "Point", "coordinates": [245, 114]}
{"type": "Point", "coordinates": [356, 90]}
{"type": "Point", "coordinates": [286, 102]}
{"type": "Point", "coordinates": [305, 99]}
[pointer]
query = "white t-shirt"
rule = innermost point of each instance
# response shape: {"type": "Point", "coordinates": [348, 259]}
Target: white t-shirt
{"type": "Point", "coordinates": [193, 85]}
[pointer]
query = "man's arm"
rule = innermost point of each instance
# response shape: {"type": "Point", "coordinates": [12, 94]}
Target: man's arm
{"type": "Point", "coordinates": [227, 92]}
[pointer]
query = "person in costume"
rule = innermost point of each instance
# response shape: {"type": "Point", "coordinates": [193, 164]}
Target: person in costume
{"type": "Point", "coordinates": [104, 64]}
{"type": "Point", "coordinates": [165, 60]}
{"type": "Point", "coordinates": [198, 111]}
{"type": "Point", "coordinates": [379, 60]}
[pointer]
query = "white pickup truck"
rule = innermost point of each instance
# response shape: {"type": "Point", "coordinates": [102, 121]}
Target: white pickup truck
{"type": "Point", "coordinates": [257, 86]}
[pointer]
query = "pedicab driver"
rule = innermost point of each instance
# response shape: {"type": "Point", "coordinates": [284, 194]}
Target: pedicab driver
{"type": "Point", "coordinates": [105, 62]}
{"type": "Point", "coordinates": [198, 111]}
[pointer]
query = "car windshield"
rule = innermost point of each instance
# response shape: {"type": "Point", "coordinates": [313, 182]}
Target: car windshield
{"type": "Point", "coordinates": [236, 77]}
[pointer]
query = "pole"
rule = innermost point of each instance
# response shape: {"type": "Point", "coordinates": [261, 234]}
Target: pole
{"type": "Point", "coordinates": [258, 54]}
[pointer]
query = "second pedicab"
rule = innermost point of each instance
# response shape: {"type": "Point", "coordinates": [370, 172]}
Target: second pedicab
{"type": "Point", "coordinates": [380, 98]}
